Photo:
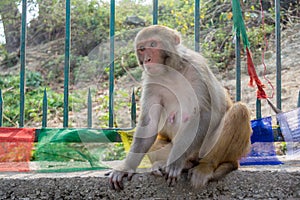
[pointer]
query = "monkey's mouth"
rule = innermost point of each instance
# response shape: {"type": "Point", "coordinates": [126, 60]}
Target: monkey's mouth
{"type": "Point", "coordinates": [151, 65]}
{"type": "Point", "coordinates": [166, 59]}
{"type": "Point", "coordinates": [150, 68]}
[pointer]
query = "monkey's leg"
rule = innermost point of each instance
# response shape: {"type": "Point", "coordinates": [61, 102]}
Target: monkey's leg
{"type": "Point", "coordinates": [158, 155]}
{"type": "Point", "coordinates": [232, 144]}
{"type": "Point", "coordinates": [184, 145]}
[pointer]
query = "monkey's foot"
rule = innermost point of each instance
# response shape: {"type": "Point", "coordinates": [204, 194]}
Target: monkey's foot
{"type": "Point", "coordinates": [224, 169]}
{"type": "Point", "coordinates": [173, 172]}
{"type": "Point", "coordinates": [159, 168]}
{"type": "Point", "coordinates": [200, 175]}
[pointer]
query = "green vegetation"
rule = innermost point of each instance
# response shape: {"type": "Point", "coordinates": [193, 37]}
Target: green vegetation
{"type": "Point", "coordinates": [34, 99]}
{"type": "Point", "coordinates": [90, 49]}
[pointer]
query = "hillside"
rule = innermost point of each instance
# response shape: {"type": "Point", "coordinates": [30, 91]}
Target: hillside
{"type": "Point", "coordinates": [40, 57]}
{"type": "Point", "coordinates": [290, 59]}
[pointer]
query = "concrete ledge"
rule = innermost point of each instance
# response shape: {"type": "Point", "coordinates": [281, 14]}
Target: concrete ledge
{"type": "Point", "coordinates": [260, 182]}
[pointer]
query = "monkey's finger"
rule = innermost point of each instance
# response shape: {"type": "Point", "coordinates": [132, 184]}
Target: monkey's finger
{"type": "Point", "coordinates": [111, 183]}
{"type": "Point", "coordinates": [169, 178]}
{"type": "Point", "coordinates": [157, 172]}
{"type": "Point", "coordinates": [119, 182]}
{"type": "Point", "coordinates": [129, 177]}
{"type": "Point", "coordinates": [166, 176]}
{"type": "Point", "coordinates": [162, 170]}
{"type": "Point", "coordinates": [115, 185]}
{"type": "Point", "coordinates": [174, 181]}
{"type": "Point", "coordinates": [171, 181]}
{"type": "Point", "coordinates": [114, 181]}
{"type": "Point", "coordinates": [173, 176]}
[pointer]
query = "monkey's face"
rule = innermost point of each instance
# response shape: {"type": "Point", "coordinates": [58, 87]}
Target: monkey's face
{"type": "Point", "coordinates": [151, 56]}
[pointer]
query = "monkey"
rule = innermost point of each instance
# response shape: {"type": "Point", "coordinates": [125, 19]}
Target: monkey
{"type": "Point", "coordinates": [172, 117]}
{"type": "Point", "coordinates": [187, 120]}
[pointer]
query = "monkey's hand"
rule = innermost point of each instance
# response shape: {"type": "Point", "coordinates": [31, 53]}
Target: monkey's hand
{"type": "Point", "coordinates": [173, 172]}
{"type": "Point", "coordinates": [116, 179]}
{"type": "Point", "coordinates": [159, 168]}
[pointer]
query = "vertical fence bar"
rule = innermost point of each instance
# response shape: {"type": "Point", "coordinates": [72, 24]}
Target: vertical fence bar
{"type": "Point", "coordinates": [238, 66]}
{"type": "Point", "coordinates": [1, 109]}
{"type": "Point", "coordinates": [67, 63]}
{"type": "Point", "coordinates": [89, 115]}
{"type": "Point", "coordinates": [112, 63]}
{"type": "Point", "coordinates": [278, 54]}
{"type": "Point", "coordinates": [45, 109]}
{"type": "Point", "coordinates": [23, 63]}
{"type": "Point", "coordinates": [197, 25]}
{"type": "Point", "coordinates": [258, 109]}
{"type": "Point", "coordinates": [155, 12]}
{"type": "Point", "coordinates": [133, 109]}
{"type": "Point", "coordinates": [298, 100]}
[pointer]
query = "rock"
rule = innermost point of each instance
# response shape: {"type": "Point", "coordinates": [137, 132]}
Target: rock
{"type": "Point", "coordinates": [134, 20]}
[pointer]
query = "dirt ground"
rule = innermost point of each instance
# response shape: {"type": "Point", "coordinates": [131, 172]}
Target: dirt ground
{"type": "Point", "coordinates": [249, 182]}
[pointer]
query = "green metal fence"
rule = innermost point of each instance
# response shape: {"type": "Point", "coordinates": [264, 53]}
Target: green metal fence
{"type": "Point", "coordinates": [111, 71]}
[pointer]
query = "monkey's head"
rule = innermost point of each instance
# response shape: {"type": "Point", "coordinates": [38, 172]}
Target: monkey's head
{"type": "Point", "coordinates": [155, 47]}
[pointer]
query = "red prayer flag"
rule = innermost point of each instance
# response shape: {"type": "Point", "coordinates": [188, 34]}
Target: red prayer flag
{"type": "Point", "coordinates": [16, 146]}
{"type": "Point", "coordinates": [261, 94]}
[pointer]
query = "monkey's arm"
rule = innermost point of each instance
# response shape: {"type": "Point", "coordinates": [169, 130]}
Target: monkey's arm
{"type": "Point", "coordinates": [184, 144]}
{"type": "Point", "coordinates": [144, 137]}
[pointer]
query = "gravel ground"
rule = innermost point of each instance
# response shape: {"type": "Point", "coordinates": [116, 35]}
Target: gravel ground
{"type": "Point", "coordinates": [255, 182]}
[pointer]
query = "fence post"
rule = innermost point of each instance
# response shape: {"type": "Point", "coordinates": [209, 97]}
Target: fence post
{"type": "Point", "coordinates": [23, 63]}
{"type": "Point", "coordinates": [133, 110]}
{"type": "Point", "coordinates": [89, 103]}
{"type": "Point", "coordinates": [155, 12]}
{"type": "Point", "coordinates": [278, 54]}
{"type": "Point", "coordinates": [197, 25]}
{"type": "Point", "coordinates": [298, 99]}
{"type": "Point", "coordinates": [45, 109]}
{"type": "Point", "coordinates": [238, 67]}
{"type": "Point", "coordinates": [1, 109]}
{"type": "Point", "coordinates": [258, 109]}
{"type": "Point", "coordinates": [67, 63]}
{"type": "Point", "coordinates": [112, 63]}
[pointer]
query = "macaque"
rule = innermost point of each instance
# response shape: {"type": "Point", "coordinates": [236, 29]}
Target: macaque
{"type": "Point", "coordinates": [187, 120]}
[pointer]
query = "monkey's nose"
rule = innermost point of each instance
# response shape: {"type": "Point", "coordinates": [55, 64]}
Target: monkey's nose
{"type": "Point", "coordinates": [147, 60]}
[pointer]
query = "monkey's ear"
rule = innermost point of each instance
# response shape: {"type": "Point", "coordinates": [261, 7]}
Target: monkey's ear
{"type": "Point", "coordinates": [177, 39]}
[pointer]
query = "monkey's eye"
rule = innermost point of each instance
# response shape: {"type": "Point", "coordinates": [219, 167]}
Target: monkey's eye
{"type": "Point", "coordinates": [141, 48]}
{"type": "Point", "coordinates": [153, 44]}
